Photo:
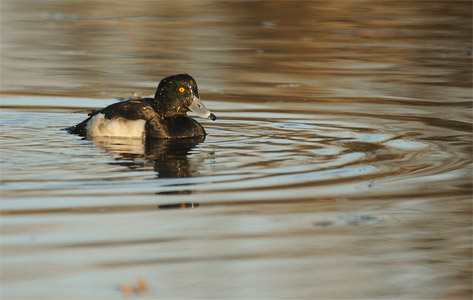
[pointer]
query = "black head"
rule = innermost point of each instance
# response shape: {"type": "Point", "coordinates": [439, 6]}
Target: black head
{"type": "Point", "coordinates": [178, 94]}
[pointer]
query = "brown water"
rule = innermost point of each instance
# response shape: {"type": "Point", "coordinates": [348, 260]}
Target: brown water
{"type": "Point", "coordinates": [339, 166]}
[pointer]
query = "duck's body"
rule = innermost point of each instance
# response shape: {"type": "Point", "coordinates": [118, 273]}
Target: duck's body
{"type": "Point", "coordinates": [163, 116]}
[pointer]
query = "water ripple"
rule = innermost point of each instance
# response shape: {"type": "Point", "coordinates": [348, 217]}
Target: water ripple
{"type": "Point", "coordinates": [248, 155]}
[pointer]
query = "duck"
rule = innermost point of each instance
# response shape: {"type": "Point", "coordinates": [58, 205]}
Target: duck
{"type": "Point", "coordinates": [162, 117]}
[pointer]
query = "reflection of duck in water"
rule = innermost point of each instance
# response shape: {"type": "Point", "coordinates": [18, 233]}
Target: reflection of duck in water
{"type": "Point", "coordinates": [161, 117]}
{"type": "Point", "coordinates": [169, 157]}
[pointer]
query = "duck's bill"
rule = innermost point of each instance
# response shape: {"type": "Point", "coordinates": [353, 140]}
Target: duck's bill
{"type": "Point", "coordinates": [198, 108]}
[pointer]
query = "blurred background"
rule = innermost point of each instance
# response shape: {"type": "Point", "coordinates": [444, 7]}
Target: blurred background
{"type": "Point", "coordinates": [305, 49]}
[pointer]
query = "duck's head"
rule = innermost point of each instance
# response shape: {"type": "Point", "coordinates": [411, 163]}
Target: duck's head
{"type": "Point", "coordinates": [178, 94]}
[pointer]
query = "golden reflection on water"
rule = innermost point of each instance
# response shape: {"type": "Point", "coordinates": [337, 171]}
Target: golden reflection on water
{"type": "Point", "coordinates": [340, 166]}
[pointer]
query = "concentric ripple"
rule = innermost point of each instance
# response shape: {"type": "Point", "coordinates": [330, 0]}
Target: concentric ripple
{"type": "Point", "coordinates": [313, 155]}
{"type": "Point", "coordinates": [263, 152]}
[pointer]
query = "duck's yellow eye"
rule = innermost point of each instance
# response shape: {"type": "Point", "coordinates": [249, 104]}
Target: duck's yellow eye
{"type": "Point", "coordinates": [181, 89]}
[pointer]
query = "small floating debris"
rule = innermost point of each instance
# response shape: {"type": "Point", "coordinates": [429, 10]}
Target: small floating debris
{"type": "Point", "coordinates": [179, 205]}
{"type": "Point", "coordinates": [140, 287]}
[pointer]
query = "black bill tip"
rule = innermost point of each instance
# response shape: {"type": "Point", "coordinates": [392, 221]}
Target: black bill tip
{"type": "Point", "coordinates": [212, 117]}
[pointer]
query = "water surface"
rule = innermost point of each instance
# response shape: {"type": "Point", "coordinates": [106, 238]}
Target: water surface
{"type": "Point", "coordinates": [339, 166]}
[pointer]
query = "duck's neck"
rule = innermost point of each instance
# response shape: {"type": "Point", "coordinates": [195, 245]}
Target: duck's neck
{"type": "Point", "coordinates": [169, 111]}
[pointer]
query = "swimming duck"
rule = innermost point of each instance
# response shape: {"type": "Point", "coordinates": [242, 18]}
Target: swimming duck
{"type": "Point", "coordinates": [164, 116]}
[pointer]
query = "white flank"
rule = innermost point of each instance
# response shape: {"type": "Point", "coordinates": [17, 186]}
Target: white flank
{"type": "Point", "coordinates": [101, 126]}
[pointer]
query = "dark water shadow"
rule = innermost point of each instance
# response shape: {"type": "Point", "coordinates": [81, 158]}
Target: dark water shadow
{"type": "Point", "coordinates": [167, 157]}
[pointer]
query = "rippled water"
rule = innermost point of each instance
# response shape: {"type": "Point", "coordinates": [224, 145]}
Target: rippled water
{"type": "Point", "coordinates": [339, 165]}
